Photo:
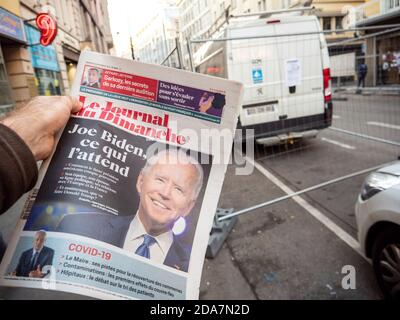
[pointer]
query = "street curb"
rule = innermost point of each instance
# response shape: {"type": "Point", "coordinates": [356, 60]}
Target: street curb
{"type": "Point", "coordinates": [339, 98]}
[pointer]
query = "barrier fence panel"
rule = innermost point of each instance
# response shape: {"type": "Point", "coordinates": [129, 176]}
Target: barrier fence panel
{"type": "Point", "coordinates": [321, 104]}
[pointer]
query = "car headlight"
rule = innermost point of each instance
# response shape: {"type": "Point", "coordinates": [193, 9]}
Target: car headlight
{"type": "Point", "coordinates": [376, 182]}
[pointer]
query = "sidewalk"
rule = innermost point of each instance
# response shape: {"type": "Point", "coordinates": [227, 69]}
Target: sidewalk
{"type": "Point", "coordinates": [377, 90]}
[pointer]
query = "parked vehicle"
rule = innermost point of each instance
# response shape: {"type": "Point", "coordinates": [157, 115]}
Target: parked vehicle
{"type": "Point", "coordinates": [287, 77]}
{"type": "Point", "coordinates": [378, 222]}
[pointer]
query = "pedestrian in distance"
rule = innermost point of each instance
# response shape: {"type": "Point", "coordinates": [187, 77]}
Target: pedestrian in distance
{"type": "Point", "coordinates": [362, 73]}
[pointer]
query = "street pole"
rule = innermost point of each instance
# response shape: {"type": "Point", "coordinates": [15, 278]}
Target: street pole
{"type": "Point", "coordinates": [189, 48]}
{"type": "Point", "coordinates": [132, 51]}
{"type": "Point", "coordinates": [179, 53]}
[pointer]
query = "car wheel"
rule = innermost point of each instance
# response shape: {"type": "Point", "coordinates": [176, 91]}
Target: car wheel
{"type": "Point", "coordinates": [386, 262]}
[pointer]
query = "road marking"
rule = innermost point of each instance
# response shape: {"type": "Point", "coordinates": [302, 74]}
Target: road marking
{"type": "Point", "coordinates": [343, 145]}
{"type": "Point", "coordinates": [382, 124]}
{"type": "Point", "coordinates": [365, 136]}
{"type": "Point", "coordinates": [343, 235]}
{"type": "Point", "coordinates": [335, 116]}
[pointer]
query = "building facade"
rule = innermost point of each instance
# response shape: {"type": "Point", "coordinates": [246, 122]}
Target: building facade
{"type": "Point", "coordinates": [189, 19]}
{"type": "Point", "coordinates": [202, 18]}
{"type": "Point", "coordinates": [31, 69]}
{"type": "Point", "coordinates": [331, 14]}
{"type": "Point", "coordinates": [16, 75]}
{"type": "Point", "coordinates": [157, 38]}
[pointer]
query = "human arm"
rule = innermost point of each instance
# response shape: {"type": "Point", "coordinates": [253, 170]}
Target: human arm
{"type": "Point", "coordinates": [28, 135]}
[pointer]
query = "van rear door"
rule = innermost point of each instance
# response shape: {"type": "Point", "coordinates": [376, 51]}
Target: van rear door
{"type": "Point", "coordinates": [253, 62]}
{"type": "Point", "coordinates": [268, 96]}
{"type": "Point", "coordinates": [306, 97]}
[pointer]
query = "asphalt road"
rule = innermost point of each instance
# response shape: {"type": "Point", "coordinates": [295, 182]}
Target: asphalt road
{"type": "Point", "coordinates": [282, 251]}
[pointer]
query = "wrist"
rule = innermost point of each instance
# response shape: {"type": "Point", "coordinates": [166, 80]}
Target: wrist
{"type": "Point", "coordinates": [15, 125]}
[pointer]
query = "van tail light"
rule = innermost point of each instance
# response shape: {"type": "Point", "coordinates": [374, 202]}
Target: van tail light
{"type": "Point", "coordinates": [327, 85]}
{"type": "Point", "coordinates": [273, 21]}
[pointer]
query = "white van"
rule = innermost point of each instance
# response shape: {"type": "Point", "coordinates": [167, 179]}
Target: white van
{"type": "Point", "coordinates": [287, 78]}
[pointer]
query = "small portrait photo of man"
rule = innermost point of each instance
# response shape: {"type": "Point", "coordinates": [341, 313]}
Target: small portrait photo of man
{"type": "Point", "coordinates": [32, 261]}
{"type": "Point", "coordinates": [92, 77]}
{"type": "Point", "coordinates": [169, 188]}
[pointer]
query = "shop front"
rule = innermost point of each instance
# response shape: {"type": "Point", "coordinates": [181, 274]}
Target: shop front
{"type": "Point", "coordinates": [388, 59]}
{"type": "Point", "coordinates": [12, 35]}
{"type": "Point", "coordinates": [383, 45]}
{"type": "Point", "coordinates": [45, 64]}
{"type": "Point", "coordinates": [71, 52]}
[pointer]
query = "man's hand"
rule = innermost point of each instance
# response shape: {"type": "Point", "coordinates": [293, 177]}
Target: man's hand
{"type": "Point", "coordinates": [38, 122]}
{"type": "Point", "coordinates": [36, 273]}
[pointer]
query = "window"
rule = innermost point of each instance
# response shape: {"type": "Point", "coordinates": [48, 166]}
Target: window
{"type": "Point", "coordinates": [6, 100]}
{"type": "Point", "coordinates": [392, 4]}
{"type": "Point", "coordinates": [326, 23]}
{"type": "Point", "coordinates": [339, 22]}
{"type": "Point", "coordinates": [49, 82]}
{"type": "Point", "coordinates": [286, 4]}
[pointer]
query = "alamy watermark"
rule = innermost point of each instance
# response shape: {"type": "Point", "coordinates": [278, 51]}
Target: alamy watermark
{"type": "Point", "coordinates": [224, 148]}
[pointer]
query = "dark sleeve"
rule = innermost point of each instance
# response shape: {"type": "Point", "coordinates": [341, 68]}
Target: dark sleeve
{"type": "Point", "coordinates": [49, 258]}
{"type": "Point", "coordinates": [18, 269]}
{"type": "Point", "coordinates": [18, 169]}
{"type": "Point", "coordinates": [48, 261]}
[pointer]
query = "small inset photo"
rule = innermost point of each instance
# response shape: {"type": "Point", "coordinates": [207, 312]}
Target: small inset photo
{"type": "Point", "coordinates": [92, 77]}
{"type": "Point", "coordinates": [32, 258]}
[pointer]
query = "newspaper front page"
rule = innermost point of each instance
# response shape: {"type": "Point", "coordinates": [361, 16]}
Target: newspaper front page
{"type": "Point", "coordinates": [124, 206]}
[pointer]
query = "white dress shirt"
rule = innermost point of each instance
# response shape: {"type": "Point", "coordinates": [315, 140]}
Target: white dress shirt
{"type": "Point", "coordinates": [134, 238]}
{"type": "Point", "coordinates": [34, 252]}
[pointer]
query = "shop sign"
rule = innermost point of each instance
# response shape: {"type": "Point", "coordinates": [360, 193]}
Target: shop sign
{"type": "Point", "coordinates": [11, 26]}
{"type": "Point", "coordinates": [48, 28]}
{"type": "Point", "coordinates": [43, 57]}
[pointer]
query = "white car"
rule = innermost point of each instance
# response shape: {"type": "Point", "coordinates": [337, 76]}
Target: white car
{"type": "Point", "coordinates": [378, 222]}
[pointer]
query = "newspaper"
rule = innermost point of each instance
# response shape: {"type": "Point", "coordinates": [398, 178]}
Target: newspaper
{"type": "Point", "coordinates": [124, 206]}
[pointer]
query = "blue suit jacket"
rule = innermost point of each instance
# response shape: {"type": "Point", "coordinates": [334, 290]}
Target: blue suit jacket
{"type": "Point", "coordinates": [45, 258]}
{"type": "Point", "coordinates": [113, 230]}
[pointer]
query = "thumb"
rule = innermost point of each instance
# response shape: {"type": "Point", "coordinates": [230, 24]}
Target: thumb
{"type": "Point", "coordinates": [38, 267]}
{"type": "Point", "coordinates": [76, 105]}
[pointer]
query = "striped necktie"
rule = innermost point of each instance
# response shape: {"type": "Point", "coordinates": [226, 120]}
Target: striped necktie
{"type": "Point", "coordinates": [144, 249]}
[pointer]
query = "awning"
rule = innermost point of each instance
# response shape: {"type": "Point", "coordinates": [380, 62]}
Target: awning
{"type": "Point", "coordinates": [329, 13]}
{"type": "Point", "coordinates": [11, 26]}
{"type": "Point", "coordinates": [380, 19]}
{"type": "Point", "coordinates": [70, 54]}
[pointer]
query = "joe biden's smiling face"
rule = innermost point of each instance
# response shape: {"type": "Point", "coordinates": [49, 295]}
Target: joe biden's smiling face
{"type": "Point", "coordinates": [166, 193]}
